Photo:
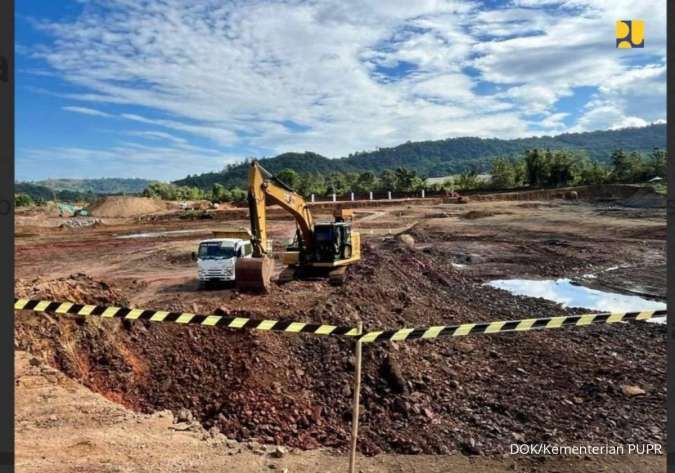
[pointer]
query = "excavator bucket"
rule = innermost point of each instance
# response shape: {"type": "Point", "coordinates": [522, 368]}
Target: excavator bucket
{"type": "Point", "coordinates": [253, 274]}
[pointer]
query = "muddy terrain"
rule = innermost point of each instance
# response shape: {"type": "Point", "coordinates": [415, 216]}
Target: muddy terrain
{"type": "Point", "coordinates": [471, 396]}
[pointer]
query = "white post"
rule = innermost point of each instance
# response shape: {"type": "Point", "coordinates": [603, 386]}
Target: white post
{"type": "Point", "coordinates": [389, 195]}
{"type": "Point", "coordinates": [371, 195]}
{"type": "Point", "coordinates": [312, 197]}
{"type": "Point", "coordinates": [423, 193]}
{"type": "Point", "coordinates": [356, 400]}
{"type": "Point", "coordinates": [352, 196]}
{"type": "Point", "coordinates": [334, 197]}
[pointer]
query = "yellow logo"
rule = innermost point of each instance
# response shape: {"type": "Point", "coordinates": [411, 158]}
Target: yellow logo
{"type": "Point", "coordinates": [630, 34]}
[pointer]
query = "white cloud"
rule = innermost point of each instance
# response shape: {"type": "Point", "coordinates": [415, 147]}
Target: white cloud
{"type": "Point", "coordinates": [242, 74]}
{"type": "Point", "coordinates": [218, 135]}
{"type": "Point", "coordinates": [124, 160]}
{"type": "Point", "coordinates": [535, 98]}
{"type": "Point", "coordinates": [575, 48]}
{"type": "Point", "coordinates": [86, 111]}
{"type": "Point", "coordinates": [339, 76]}
{"type": "Point", "coordinates": [552, 123]}
{"type": "Point", "coordinates": [158, 135]}
{"type": "Point", "coordinates": [601, 115]}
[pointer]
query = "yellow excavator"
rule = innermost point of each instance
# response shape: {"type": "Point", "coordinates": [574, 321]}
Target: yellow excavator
{"type": "Point", "coordinates": [324, 248]}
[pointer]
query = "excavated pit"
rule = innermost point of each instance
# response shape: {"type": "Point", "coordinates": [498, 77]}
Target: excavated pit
{"type": "Point", "coordinates": [472, 395]}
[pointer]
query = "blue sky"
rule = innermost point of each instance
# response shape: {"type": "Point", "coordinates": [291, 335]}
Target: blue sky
{"type": "Point", "coordinates": [164, 88]}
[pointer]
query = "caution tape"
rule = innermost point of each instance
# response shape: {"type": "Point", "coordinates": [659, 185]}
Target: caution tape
{"type": "Point", "coordinates": [507, 326]}
{"type": "Point", "coordinates": [185, 318]}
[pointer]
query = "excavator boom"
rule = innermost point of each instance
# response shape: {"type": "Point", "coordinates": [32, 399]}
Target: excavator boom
{"type": "Point", "coordinates": [263, 186]}
{"type": "Point", "coordinates": [328, 246]}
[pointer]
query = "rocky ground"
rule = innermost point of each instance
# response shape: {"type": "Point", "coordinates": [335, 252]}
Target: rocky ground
{"type": "Point", "coordinates": [471, 397]}
{"type": "Point", "coordinates": [62, 427]}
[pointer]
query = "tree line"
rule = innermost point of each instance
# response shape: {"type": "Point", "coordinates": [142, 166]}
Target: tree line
{"type": "Point", "coordinates": [339, 183]}
{"type": "Point", "coordinates": [545, 168]}
{"type": "Point", "coordinates": [451, 156]}
{"type": "Point", "coordinates": [535, 168]}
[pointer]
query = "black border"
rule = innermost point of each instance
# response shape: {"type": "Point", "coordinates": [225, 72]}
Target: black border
{"type": "Point", "coordinates": [670, 247]}
{"type": "Point", "coordinates": [7, 235]}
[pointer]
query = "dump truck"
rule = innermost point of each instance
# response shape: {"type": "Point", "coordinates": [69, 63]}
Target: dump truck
{"type": "Point", "coordinates": [216, 257]}
{"type": "Point", "coordinates": [319, 248]}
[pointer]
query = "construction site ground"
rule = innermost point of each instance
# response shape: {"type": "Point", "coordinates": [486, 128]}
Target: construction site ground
{"type": "Point", "coordinates": [426, 405]}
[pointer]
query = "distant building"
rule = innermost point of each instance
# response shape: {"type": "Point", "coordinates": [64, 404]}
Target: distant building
{"type": "Point", "coordinates": [481, 178]}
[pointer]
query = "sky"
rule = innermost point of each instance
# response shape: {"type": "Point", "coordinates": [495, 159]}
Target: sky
{"type": "Point", "coordinates": [160, 89]}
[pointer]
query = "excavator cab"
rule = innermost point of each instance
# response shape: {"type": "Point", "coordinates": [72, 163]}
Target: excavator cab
{"type": "Point", "coordinates": [334, 247]}
{"type": "Point", "coordinates": [332, 241]}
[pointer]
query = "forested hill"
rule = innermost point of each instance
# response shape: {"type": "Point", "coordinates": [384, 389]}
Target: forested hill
{"type": "Point", "coordinates": [443, 157]}
{"type": "Point", "coordinates": [106, 185]}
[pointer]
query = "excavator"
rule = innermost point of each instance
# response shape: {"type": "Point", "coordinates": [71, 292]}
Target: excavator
{"type": "Point", "coordinates": [319, 248]}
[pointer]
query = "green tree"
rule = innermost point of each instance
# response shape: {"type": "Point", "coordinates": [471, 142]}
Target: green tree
{"type": "Point", "coordinates": [226, 196]}
{"type": "Point", "coordinates": [388, 180]}
{"type": "Point", "coordinates": [520, 172]}
{"type": "Point", "coordinates": [593, 173]}
{"type": "Point", "coordinates": [537, 165]}
{"type": "Point", "coordinates": [23, 200]}
{"type": "Point", "coordinates": [658, 162]}
{"type": "Point", "coordinates": [468, 180]}
{"type": "Point", "coordinates": [218, 193]}
{"type": "Point", "coordinates": [289, 177]}
{"type": "Point", "coordinates": [407, 180]}
{"type": "Point", "coordinates": [312, 184]}
{"type": "Point", "coordinates": [626, 167]}
{"type": "Point", "coordinates": [238, 195]}
{"type": "Point", "coordinates": [351, 178]}
{"type": "Point", "coordinates": [562, 168]}
{"type": "Point", "coordinates": [366, 182]}
{"type": "Point", "coordinates": [161, 190]}
{"type": "Point", "coordinates": [503, 173]}
{"type": "Point", "coordinates": [337, 183]}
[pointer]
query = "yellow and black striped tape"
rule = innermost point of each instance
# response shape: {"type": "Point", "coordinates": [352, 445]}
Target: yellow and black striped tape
{"type": "Point", "coordinates": [125, 313]}
{"type": "Point", "coordinates": [507, 326]}
{"type": "Point", "coordinates": [424, 333]}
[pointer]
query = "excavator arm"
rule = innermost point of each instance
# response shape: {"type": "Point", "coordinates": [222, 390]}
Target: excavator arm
{"type": "Point", "coordinates": [263, 186]}
{"type": "Point", "coordinates": [335, 246]}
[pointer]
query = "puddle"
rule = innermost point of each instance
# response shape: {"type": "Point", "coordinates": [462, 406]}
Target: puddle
{"type": "Point", "coordinates": [570, 295]}
{"type": "Point", "coordinates": [158, 234]}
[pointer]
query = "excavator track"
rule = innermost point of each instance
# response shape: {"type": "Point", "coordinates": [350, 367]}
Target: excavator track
{"type": "Point", "coordinates": [337, 276]}
{"type": "Point", "coordinates": [287, 275]}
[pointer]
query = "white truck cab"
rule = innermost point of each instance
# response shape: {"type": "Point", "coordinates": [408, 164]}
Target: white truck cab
{"type": "Point", "coordinates": [216, 258]}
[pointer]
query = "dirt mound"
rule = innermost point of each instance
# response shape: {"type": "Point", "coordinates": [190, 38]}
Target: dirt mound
{"type": "Point", "coordinates": [77, 223]}
{"type": "Point", "coordinates": [126, 207]}
{"type": "Point", "coordinates": [75, 428]}
{"type": "Point", "coordinates": [646, 198]}
{"type": "Point", "coordinates": [79, 288]}
{"type": "Point", "coordinates": [475, 395]}
{"type": "Point", "coordinates": [476, 214]}
{"type": "Point", "coordinates": [534, 205]}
